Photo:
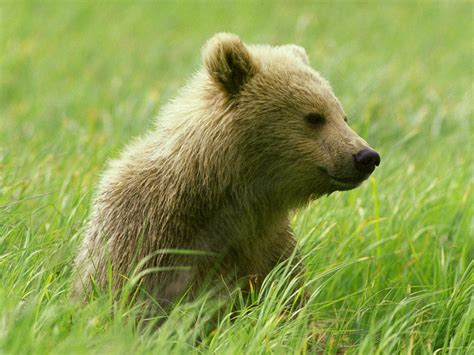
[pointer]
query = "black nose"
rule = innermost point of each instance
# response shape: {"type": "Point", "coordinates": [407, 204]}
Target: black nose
{"type": "Point", "coordinates": [366, 160]}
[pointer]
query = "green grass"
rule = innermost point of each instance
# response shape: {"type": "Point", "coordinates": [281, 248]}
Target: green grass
{"type": "Point", "coordinates": [389, 265]}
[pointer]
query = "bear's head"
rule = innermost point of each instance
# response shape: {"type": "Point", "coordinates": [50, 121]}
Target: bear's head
{"type": "Point", "coordinates": [290, 129]}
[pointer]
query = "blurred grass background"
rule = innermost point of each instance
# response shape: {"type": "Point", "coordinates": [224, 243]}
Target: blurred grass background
{"type": "Point", "coordinates": [389, 264]}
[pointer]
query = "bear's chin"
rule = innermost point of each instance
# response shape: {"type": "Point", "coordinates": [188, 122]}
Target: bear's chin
{"type": "Point", "coordinates": [345, 184]}
{"type": "Point", "coordinates": [332, 186]}
{"type": "Point", "coordinates": [335, 183]}
{"type": "Point", "coordinates": [347, 187]}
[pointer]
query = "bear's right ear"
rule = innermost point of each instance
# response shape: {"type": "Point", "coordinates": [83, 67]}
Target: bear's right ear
{"type": "Point", "coordinates": [228, 61]}
{"type": "Point", "coordinates": [299, 52]}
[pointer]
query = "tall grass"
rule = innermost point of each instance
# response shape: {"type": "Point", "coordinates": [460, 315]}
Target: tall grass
{"type": "Point", "coordinates": [388, 266]}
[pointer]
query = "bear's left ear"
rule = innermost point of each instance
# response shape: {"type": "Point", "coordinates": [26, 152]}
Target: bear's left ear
{"type": "Point", "coordinates": [228, 61]}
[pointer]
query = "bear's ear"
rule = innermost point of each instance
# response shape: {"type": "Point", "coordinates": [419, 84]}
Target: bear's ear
{"type": "Point", "coordinates": [228, 61]}
{"type": "Point", "coordinates": [299, 52]}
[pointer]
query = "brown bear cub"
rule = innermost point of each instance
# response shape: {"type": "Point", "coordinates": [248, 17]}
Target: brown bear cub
{"type": "Point", "coordinates": [255, 133]}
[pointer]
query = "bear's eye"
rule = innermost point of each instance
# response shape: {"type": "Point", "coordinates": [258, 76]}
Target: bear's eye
{"type": "Point", "coordinates": [314, 118]}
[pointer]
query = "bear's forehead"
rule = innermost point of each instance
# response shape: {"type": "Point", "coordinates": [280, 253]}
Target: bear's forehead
{"type": "Point", "coordinates": [293, 80]}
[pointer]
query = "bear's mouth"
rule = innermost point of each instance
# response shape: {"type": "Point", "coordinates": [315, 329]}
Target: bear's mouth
{"type": "Point", "coordinates": [346, 182]}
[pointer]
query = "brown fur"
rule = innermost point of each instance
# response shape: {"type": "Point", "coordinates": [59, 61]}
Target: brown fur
{"type": "Point", "coordinates": [229, 158]}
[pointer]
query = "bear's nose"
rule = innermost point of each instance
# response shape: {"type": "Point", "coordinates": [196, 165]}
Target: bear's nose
{"type": "Point", "coordinates": [366, 160]}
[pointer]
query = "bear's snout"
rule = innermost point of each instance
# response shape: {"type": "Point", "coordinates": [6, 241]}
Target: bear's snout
{"type": "Point", "coordinates": [366, 160]}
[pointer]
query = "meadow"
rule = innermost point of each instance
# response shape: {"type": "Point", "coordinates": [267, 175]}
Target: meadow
{"type": "Point", "coordinates": [389, 265]}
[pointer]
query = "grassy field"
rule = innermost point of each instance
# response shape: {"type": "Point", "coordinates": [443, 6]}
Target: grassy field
{"type": "Point", "coordinates": [389, 265]}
